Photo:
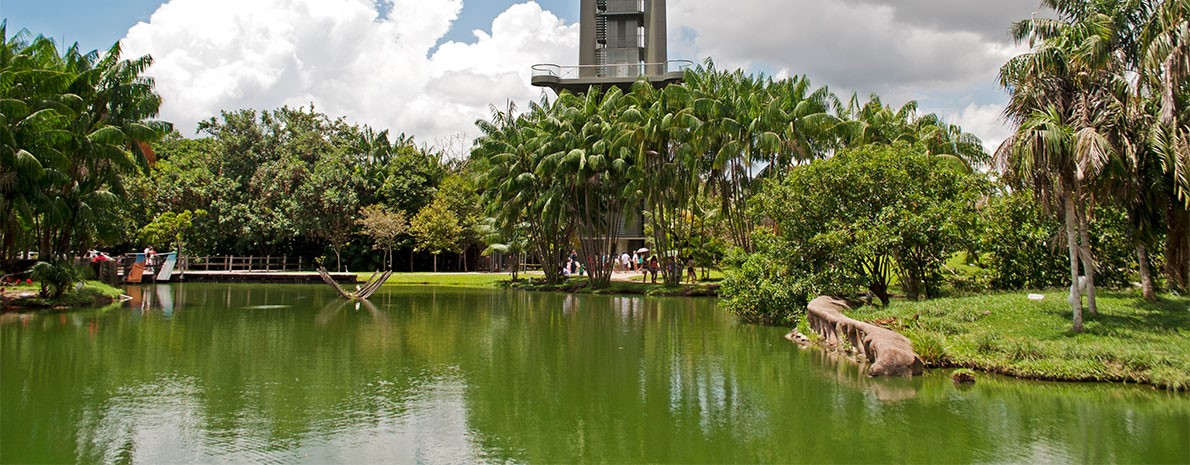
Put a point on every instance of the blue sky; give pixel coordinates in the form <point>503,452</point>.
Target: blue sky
<point>425,73</point>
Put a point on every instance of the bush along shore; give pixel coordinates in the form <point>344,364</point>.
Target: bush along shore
<point>1130,340</point>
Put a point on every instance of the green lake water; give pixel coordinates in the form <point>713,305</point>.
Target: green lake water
<point>205,373</point>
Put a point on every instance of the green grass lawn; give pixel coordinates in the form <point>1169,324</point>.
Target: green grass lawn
<point>1130,340</point>
<point>498,279</point>
<point>447,279</point>
<point>93,293</point>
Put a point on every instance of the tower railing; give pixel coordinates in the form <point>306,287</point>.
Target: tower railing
<point>609,70</point>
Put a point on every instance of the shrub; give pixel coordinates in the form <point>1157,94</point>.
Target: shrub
<point>1112,246</point>
<point>55,278</point>
<point>757,292</point>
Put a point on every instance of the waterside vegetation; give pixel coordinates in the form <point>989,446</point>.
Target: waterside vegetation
<point>791,190</point>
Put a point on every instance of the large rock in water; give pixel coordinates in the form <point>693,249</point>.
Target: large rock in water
<point>890,353</point>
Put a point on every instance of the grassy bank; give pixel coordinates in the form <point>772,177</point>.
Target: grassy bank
<point>580,285</point>
<point>443,279</point>
<point>1130,340</point>
<point>93,294</point>
<point>583,286</point>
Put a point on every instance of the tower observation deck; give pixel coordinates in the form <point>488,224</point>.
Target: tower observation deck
<point>620,42</point>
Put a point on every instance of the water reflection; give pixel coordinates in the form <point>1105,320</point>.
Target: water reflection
<point>287,374</point>
<point>850,371</point>
<point>334,309</point>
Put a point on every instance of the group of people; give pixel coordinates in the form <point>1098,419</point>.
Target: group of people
<point>95,256</point>
<point>637,261</point>
<point>573,266</point>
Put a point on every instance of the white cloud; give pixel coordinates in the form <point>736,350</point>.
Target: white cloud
<point>985,121</point>
<point>214,55</point>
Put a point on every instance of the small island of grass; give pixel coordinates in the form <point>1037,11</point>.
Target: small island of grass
<point>28,297</point>
<point>1130,340</point>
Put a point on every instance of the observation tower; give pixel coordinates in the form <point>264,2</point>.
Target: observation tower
<point>620,42</point>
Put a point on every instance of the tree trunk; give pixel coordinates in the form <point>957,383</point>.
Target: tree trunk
<point>338,261</point>
<point>1146,278</point>
<point>877,279</point>
<point>1076,300</point>
<point>435,263</point>
<point>1177,246</point>
<point>410,260</point>
<point>1088,260</point>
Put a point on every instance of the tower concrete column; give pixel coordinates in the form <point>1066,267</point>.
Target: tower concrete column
<point>586,47</point>
<point>656,41</point>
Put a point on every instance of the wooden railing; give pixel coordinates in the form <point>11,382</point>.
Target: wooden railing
<point>250,263</point>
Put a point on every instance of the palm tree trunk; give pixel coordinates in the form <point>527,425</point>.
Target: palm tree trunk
<point>1146,277</point>
<point>1088,260</point>
<point>1076,300</point>
<point>1177,246</point>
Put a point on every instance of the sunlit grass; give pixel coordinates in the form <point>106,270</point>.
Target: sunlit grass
<point>449,279</point>
<point>1130,340</point>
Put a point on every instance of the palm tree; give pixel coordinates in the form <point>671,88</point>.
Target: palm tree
<point>522,203</point>
<point>32,91</point>
<point>590,172</point>
<point>1058,94</point>
<point>658,128</point>
<point>107,134</point>
<point>1164,63</point>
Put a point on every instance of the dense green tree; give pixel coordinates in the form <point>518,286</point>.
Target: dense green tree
<point>436,229</point>
<point>329,202</point>
<point>1057,150</point>
<point>171,230</point>
<point>590,170</point>
<point>1023,243</point>
<point>867,214</point>
<point>659,130</point>
<point>461,196</point>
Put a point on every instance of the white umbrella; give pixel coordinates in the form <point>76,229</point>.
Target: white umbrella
<point>642,250</point>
